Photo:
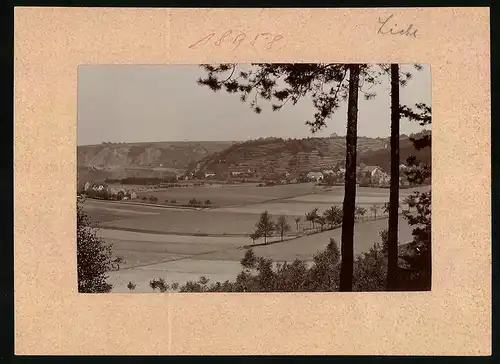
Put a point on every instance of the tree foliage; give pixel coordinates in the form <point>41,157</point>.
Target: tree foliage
<point>160,284</point>
<point>265,226</point>
<point>264,275</point>
<point>333,215</point>
<point>360,211</point>
<point>282,226</point>
<point>323,275</point>
<point>94,257</point>
<point>418,258</point>
<point>312,216</point>
<point>374,209</point>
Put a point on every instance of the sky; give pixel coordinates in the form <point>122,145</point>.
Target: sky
<point>152,103</point>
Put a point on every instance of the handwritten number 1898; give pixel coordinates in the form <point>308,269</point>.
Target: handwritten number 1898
<point>269,38</point>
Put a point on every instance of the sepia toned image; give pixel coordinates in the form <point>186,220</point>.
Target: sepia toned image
<point>254,178</point>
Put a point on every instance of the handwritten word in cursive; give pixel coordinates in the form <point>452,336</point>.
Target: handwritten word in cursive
<point>235,39</point>
<point>389,27</point>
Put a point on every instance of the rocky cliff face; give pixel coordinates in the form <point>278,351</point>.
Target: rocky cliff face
<point>121,160</point>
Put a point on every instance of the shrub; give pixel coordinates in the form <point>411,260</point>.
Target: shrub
<point>159,283</point>
<point>264,275</point>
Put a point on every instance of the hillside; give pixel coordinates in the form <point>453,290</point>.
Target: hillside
<point>382,157</point>
<point>270,156</point>
<point>263,157</point>
<point>156,159</point>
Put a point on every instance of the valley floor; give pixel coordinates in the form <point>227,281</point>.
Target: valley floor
<point>180,245</point>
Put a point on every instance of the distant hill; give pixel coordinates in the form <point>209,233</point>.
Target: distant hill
<point>155,159</point>
<point>263,156</point>
<point>382,157</point>
<point>268,156</point>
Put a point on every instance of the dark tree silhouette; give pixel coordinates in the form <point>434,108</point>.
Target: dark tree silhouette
<point>94,257</point>
<point>160,284</point>
<point>392,257</point>
<point>418,256</point>
<point>327,85</point>
<point>131,286</point>
<point>347,238</point>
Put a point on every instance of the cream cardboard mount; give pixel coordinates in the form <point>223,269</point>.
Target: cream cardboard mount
<point>52,318</point>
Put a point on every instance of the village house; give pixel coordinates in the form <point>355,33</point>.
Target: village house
<point>375,174</point>
<point>99,187</point>
<point>315,176</point>
<point>327,172</point>
<point>209,174</point>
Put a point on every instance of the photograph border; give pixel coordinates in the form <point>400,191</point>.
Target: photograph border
<point>44,93</point>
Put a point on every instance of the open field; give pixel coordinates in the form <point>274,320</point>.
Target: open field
<point>184,244</point>
<point>209,222</point>
<point>179,259</point>
<point>231,220</point>
<point>224,195</point>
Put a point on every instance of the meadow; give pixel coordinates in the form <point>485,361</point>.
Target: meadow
<point>182,244</point>
<point>236,219</point>
<point>229,195</point>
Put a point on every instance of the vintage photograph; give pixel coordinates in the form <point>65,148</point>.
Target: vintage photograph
<point>258,177</point>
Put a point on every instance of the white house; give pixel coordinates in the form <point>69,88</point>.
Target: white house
<point>315,176</point>
<point>376,174</point>
<point>99,187</point>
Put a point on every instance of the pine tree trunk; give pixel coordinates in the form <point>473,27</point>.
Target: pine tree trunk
<point>347,249</point>
<point>392,265</point>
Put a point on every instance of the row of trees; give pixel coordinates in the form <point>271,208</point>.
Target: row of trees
<point>105,194</point>
<point>265,227</point>
<point>192,202</point>
<point>195,202</point>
